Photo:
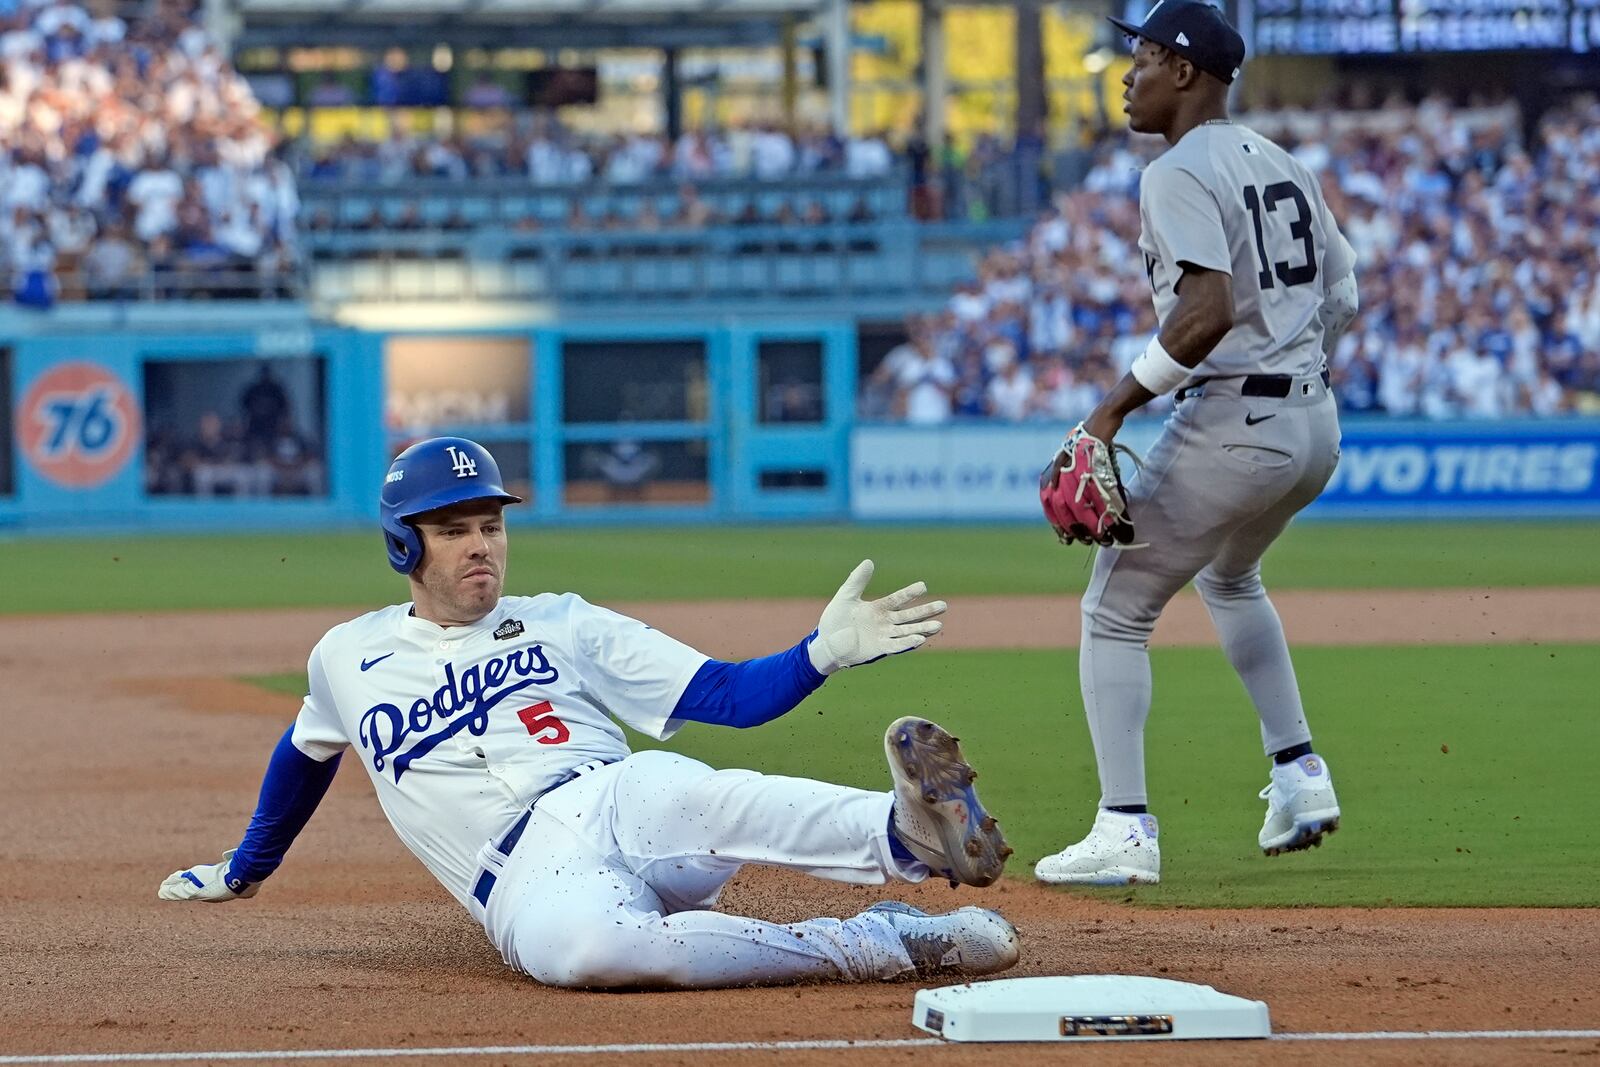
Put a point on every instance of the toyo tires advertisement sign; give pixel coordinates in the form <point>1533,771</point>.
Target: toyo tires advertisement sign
<point>1509,468</point>
<point>1389,468</point>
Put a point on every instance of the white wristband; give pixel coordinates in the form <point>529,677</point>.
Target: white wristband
<point>1157,371</point>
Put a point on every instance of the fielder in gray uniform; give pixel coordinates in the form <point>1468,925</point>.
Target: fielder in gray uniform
<point>1253,285</point>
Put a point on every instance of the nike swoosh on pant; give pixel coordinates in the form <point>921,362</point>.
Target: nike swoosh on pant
<point>1251,420</point>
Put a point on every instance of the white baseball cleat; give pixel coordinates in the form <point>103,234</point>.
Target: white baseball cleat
<point>1121,849</point>
<point>937,815</point>
<point>965,941</point>
<point>1301,807</point>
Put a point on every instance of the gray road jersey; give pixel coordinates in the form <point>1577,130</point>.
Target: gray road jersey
<point>1226,198</point>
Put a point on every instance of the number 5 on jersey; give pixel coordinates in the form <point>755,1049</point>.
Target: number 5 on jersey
<point>542,724</point>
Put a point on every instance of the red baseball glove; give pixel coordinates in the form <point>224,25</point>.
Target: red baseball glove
<point>1082,493</point>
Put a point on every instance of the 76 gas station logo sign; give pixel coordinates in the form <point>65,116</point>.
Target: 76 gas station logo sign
<point>78,424</point>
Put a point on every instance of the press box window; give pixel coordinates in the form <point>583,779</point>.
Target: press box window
<point>634,381</point>
<point>789,382</point>
<point>235,427</point>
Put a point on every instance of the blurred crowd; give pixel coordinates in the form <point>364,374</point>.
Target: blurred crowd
<point>1479,273</point>
<point>131,159</point>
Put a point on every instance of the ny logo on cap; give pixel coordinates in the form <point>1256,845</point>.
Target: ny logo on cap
<point>464,465</point>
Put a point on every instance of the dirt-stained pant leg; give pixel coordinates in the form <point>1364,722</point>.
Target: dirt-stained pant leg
<point>1210,476</point>
<point>608,886</point>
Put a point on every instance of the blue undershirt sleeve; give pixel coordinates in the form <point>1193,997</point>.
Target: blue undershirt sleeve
<point>291,790</point>
<point>751,692</point>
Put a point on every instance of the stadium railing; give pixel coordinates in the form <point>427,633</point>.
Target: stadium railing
<point>500,201</point>
<point>828,260</point>
<point>73,287</point>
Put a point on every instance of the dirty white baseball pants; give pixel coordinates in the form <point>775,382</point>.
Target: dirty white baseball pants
<point>1214,494</point>
<point>610,883</point>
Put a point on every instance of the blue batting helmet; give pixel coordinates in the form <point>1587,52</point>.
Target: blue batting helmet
<point>433,474</point>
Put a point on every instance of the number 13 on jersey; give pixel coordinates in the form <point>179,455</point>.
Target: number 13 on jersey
<point>1264,202</point>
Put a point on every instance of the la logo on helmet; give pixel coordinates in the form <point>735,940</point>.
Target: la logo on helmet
<point>464,465</point>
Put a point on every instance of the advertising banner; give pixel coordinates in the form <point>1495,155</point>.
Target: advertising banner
<point>77,424</point>
<point>1418,469</point>
<point>1389,468</point>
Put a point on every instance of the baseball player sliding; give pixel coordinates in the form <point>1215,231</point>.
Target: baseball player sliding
<point>1253,285</point>
<point>486,725</point>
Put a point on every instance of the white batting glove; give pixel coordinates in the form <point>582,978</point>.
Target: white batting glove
<point>208,883</point>
<point>853,631</point>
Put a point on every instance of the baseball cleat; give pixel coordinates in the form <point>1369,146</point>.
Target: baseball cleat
<point>937,815</point>
<point>1121,849</point>
<point>1301,807</point>
<point>966,941</point>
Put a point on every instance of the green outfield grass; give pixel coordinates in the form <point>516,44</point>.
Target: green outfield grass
<point>1507,816</point>
<point>157,573</point>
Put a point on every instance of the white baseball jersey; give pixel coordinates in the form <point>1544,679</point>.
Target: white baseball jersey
<point>461,727</point>
<point>1225,198</point>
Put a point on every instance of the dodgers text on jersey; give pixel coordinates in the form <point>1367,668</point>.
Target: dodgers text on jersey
<point>463,702</point>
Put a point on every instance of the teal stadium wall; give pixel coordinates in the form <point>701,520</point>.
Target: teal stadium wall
<point>80,405</point>
<point>84,405</point>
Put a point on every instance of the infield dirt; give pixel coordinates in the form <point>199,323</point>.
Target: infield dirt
<point>129,749</point>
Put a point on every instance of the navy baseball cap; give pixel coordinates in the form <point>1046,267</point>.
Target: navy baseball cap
<point>1196,31</point>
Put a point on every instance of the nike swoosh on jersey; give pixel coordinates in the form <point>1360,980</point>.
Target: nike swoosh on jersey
<point>1249,420</point>
<point>368,664</point>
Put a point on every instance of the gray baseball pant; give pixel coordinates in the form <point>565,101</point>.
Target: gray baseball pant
<point>1214,494</point>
